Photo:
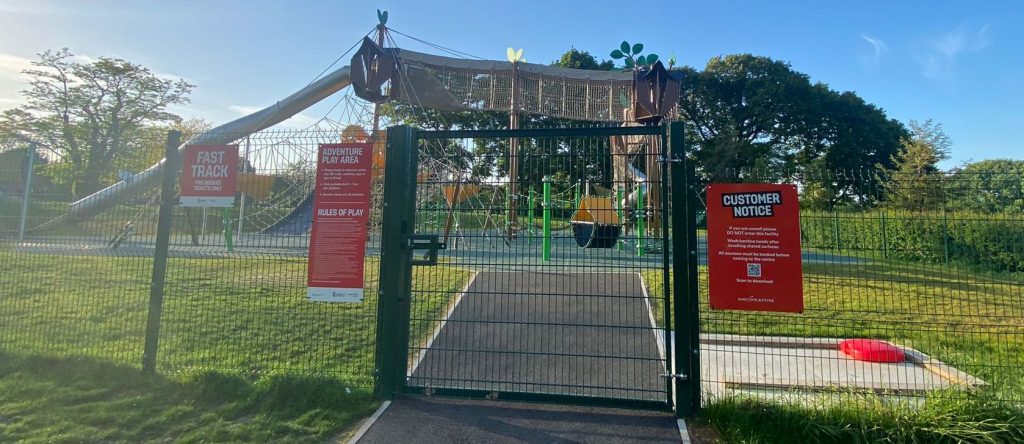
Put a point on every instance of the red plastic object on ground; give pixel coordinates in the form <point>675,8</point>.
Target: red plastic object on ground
<point>871,350</point>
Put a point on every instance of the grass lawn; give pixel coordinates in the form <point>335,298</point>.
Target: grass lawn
<point>973,321</point>
<point>243,355</point>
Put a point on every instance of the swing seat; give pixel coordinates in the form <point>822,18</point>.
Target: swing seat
<point>596,223</point>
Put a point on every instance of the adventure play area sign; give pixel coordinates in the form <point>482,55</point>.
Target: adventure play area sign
<point>341,212</point>
<point>208,176</point>
<point>754,260</point>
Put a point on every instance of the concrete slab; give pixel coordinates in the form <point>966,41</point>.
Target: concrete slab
<point>737,363</point>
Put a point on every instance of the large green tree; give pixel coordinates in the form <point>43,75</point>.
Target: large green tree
<point>92,117</point>
<point>754,113</point>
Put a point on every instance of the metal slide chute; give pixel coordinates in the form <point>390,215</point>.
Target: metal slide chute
<point>228,132</point>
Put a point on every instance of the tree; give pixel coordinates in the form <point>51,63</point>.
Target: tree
<point>576,59</point>
<point>988,186</point>
<point>915,182</point>
<point>750,112</point>
<point>154,140</point>
<point>92,117</point>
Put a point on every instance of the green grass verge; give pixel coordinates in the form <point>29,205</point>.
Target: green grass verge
<point>55,400</point>
<point>860,419</point>
<point>247,318</point>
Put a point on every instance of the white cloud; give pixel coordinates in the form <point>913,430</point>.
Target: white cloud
<point>879,51</point>
<point>243,110</point>
<point>941,56</point>
<point>11,66</point>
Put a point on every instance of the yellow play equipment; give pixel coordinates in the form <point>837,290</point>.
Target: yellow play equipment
<point>596,224</point>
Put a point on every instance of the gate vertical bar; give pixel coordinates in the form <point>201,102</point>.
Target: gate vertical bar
<point>685,274</point>
<point>666,251</point>
<point>163,239</point>
<point>395,279</point>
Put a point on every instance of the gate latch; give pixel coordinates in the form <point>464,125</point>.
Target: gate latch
<point>679,376</point>
<point>676,158</point>
<point>427,242</point>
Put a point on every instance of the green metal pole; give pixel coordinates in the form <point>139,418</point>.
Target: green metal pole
<point>395,280</point>
<point>547,220</point>
<point>640,221</point>
<point>228,238</point>
<point>163,240</point>
<point>945,236</point>
<point>885,242</point>
<point>685,304</point>
<point>529,216</point>
<point>576,195</point>
<point>835,223</point>
<point>618,209</point>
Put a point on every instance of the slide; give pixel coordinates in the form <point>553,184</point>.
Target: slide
<point>237,129</point>
<point>298,222</point>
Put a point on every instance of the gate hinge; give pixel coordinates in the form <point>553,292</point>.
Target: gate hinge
<point>679,376</point>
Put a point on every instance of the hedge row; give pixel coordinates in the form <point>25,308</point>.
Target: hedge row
<point>990,241</point>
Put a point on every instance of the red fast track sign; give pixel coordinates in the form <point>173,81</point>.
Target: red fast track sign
<point>208,176</point>
<point>341,213</point>
<point>754,260</point>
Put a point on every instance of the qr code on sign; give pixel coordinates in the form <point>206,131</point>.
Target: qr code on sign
<point>754,270</point>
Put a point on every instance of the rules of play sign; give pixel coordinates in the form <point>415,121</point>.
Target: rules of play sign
<point>754,260</point>
<point>208,176</point>
<point>341,212</point>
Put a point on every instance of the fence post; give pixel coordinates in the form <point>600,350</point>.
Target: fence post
<point>163,238</point>
<point>945,235</point>
<point>885,241</point>
<point>835,224</point>
<point>685,304</point>
<point>395,279</point>
<point>26,193</point>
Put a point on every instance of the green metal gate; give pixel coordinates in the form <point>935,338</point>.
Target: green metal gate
<point>556,262</point>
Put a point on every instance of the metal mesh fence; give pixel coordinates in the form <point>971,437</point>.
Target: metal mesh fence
<point>928,263</point>
<point>932,264</point>
<point>235,292</point>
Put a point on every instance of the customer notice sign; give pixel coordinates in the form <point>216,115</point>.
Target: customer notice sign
<point>753,237</point>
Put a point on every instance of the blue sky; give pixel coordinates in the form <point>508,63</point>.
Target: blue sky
<point>958,62</point>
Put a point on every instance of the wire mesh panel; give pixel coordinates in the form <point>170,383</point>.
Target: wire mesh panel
<point>929,265</point>
<point>235,292</point>
<point>236,295</point>
<point>555,266</point>
<point>70,288</point>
